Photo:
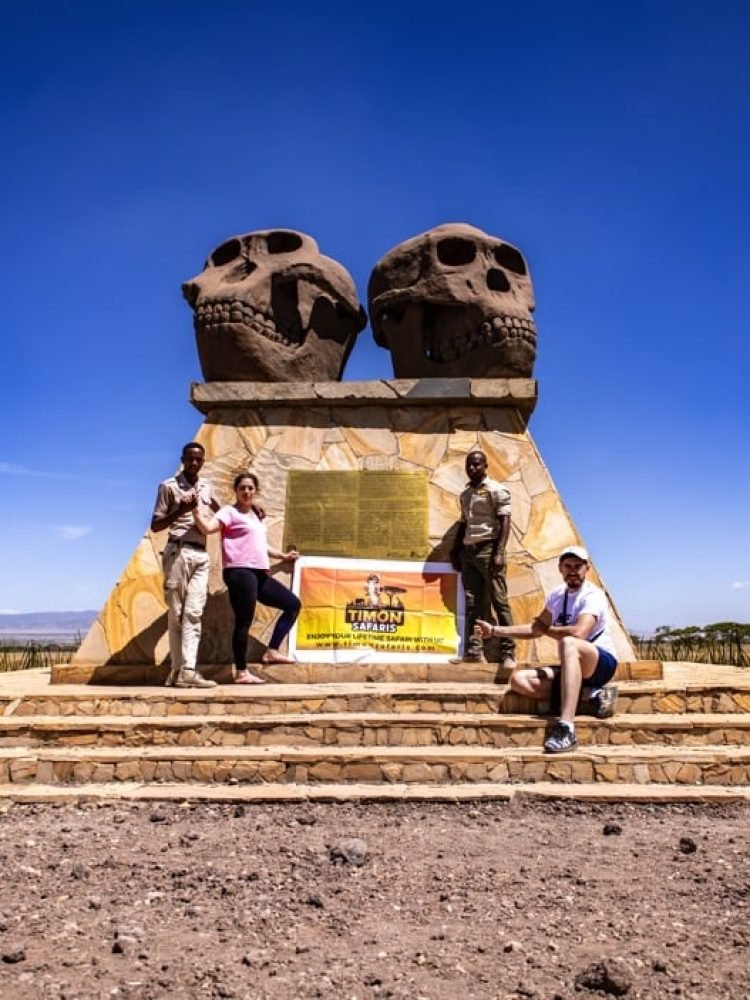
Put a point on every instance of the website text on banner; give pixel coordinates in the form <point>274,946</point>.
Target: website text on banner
<point>379,610</point>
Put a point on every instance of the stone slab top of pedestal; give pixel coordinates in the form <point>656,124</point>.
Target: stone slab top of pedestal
<point>519,393</point>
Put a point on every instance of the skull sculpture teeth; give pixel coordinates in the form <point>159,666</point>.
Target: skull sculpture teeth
<point>454,302</point>
<point>269,307</point>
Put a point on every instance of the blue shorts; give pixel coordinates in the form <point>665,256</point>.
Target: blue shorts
<point>604,672</point>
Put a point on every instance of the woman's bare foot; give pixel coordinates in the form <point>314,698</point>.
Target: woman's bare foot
<point>245,677</point>
<point>274,656</point>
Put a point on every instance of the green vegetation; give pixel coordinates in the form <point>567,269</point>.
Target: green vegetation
<point>27,656</point>
<point>722,642</point>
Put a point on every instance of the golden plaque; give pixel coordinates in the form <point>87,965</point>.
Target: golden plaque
<point>381,515</point>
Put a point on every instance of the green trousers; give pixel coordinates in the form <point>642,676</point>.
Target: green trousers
<point>485,593</point>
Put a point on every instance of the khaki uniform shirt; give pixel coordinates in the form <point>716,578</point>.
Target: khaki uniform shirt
<point>171,491</point>
<point>481,508</point>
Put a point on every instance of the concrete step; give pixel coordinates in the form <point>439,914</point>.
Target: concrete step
<point>367,729</point>
<point>715,765</point>
<point>354,672</point>
<point>109,793</point>
<point>636,697</point>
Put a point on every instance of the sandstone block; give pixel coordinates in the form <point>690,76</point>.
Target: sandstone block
<point>347,738</point>
<point>418,773</point>
<point>189,738</point>
<point>688,774</point>
<point>582,771</point>
<point>499,773</point>
<point>245,770</point>
<point>605,772</point>
<point>642,705</point>
<point>128,770</point>
<point>232,739</point>
<point>203,770</point>
<point>391,772</point>
<point>83,771</point>
<point>271,770</point>
<point>476,772</point>
<point>670,704</point>
<point>326,771</point>
<point>560,770</point>
<point>363,772</point>
<point>63,770</point>
<point>45,772</point>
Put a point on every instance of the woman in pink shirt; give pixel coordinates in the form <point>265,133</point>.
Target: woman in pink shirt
<point>244,555</point>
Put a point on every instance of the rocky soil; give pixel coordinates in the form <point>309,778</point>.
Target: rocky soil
<point>372,901</point>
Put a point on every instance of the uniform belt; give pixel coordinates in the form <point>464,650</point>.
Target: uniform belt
<point>191,545</point>
<point>475,547</point>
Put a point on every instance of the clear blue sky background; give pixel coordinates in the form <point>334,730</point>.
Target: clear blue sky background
<point>609,140</point>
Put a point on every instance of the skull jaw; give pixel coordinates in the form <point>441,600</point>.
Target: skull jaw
<point>506,353</point>
<point>234,352</point>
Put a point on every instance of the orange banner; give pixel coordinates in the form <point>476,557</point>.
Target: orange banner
<point>382,610</point>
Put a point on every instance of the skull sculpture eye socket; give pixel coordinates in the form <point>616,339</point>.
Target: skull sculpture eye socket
<point>510,258</point>
<point>281,242</point>
<point>456,252</point>
<point>225,253</point>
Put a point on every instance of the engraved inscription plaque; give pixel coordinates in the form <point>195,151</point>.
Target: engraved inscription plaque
<point>366,514</point>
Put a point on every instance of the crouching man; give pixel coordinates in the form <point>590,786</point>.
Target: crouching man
<point>575,614</point>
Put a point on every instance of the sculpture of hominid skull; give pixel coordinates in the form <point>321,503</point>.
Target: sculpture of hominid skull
<point>454,302</point>
<point>269,307</point>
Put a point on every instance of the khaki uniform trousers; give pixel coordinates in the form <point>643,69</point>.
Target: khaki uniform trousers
<point>185,591</point>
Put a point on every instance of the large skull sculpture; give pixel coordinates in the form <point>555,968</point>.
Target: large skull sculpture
<point>454,302</point>
<point>269,307</point>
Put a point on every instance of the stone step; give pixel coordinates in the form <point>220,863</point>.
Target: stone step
<point>356,672</point>
<point>108,793</point>
<point>636,697</point>
<point>367,729</point>
<point>714,765</point>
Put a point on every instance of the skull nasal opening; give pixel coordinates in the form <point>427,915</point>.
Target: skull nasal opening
<point>456,252</point>
<point>496,281</point>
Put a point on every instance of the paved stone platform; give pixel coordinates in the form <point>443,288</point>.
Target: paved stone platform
<point>686,730</point>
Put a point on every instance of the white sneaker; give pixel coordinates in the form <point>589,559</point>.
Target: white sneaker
<point>192,679</point>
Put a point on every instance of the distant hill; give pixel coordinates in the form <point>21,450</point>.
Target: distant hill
<point>50,625</point>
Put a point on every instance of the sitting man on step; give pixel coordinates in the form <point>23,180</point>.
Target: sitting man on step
<point>575,614</point>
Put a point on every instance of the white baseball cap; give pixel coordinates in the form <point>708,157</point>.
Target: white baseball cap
<point>574,550</point>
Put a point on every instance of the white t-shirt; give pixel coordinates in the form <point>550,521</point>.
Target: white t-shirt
<point>589,600</point>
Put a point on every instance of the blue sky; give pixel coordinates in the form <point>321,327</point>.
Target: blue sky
<point>609,141</point>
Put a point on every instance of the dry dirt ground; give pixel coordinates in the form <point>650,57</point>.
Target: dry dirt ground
<point>406,900</point>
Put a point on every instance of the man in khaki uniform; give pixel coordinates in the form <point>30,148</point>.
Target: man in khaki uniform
<point>478,553</point>
<point>185,563</point>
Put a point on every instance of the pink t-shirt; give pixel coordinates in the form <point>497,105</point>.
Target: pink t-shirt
<point>243,539</point>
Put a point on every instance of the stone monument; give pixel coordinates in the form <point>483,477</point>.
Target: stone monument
<point>275,322</point>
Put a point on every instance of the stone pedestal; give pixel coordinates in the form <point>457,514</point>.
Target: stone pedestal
<point>425,425</point>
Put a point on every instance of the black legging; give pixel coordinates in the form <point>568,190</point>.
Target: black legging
<point>248,586</point>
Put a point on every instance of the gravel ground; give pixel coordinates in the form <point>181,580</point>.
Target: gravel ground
<point>410,900</point>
